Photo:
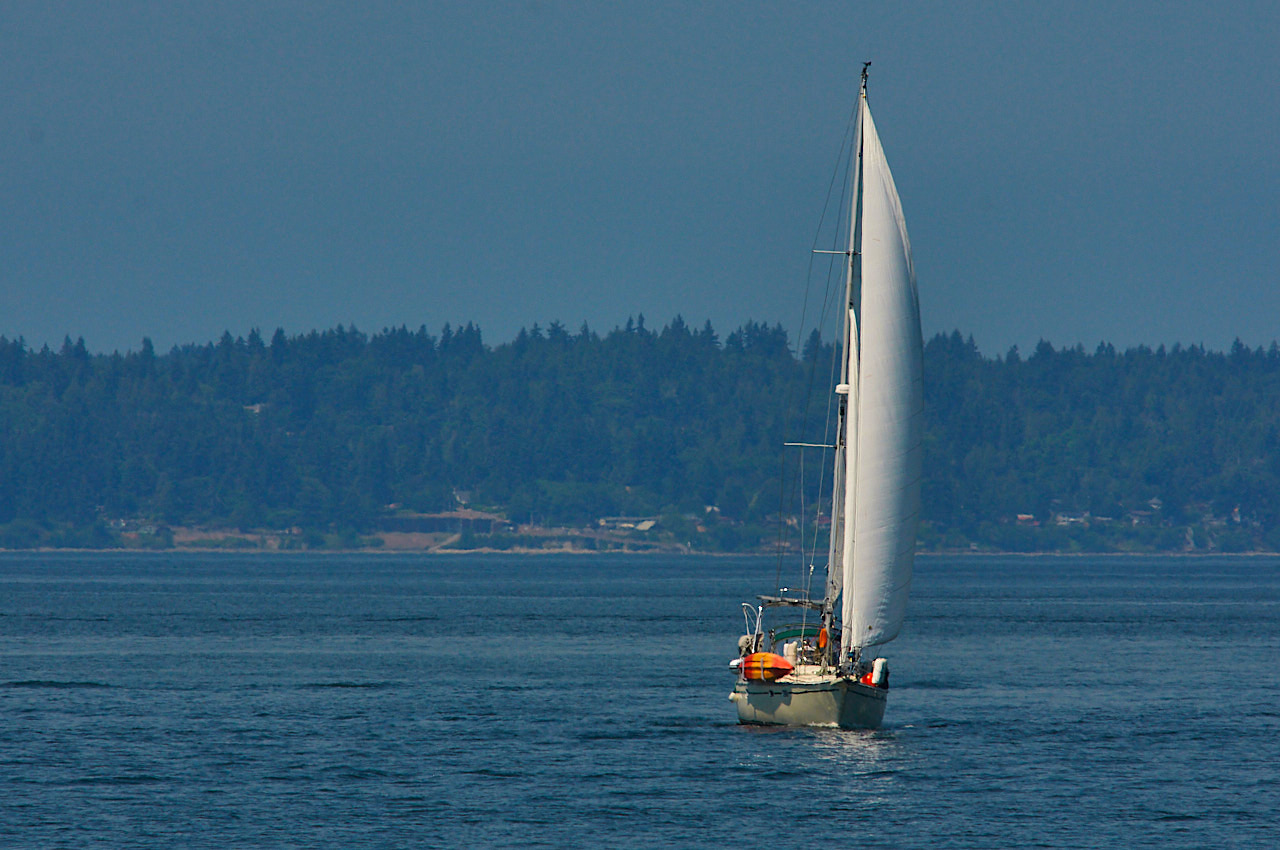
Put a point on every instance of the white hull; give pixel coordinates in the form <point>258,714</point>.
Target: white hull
<point>820,701</point>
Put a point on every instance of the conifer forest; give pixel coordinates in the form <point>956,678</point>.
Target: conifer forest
<point>335,433</point>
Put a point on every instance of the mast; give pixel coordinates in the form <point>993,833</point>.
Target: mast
<point>844,478</point>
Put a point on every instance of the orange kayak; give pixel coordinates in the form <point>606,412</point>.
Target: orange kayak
<point>766,666</point>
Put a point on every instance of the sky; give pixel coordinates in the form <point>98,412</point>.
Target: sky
<point>1078,172</point>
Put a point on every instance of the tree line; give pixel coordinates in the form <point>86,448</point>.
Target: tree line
<point>333,430</point>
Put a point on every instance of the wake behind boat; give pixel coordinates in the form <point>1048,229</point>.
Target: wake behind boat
<point>827,668</point>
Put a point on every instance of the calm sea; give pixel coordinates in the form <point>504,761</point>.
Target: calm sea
<point>396,701</point>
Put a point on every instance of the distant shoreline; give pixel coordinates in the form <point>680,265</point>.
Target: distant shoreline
<point>647,552</point>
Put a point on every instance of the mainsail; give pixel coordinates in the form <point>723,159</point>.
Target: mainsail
<point>884,425</point>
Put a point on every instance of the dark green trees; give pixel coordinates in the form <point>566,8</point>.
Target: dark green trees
<point>326,430</point>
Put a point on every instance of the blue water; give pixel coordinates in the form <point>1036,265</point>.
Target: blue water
<point>398,701</point>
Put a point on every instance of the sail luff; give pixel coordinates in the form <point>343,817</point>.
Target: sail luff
<point>835,549</point>
<point>850,485</point>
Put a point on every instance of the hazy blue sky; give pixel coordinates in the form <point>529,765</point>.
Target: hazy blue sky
<point>1073,171</point>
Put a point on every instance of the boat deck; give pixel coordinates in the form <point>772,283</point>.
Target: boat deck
<point>810,674</point>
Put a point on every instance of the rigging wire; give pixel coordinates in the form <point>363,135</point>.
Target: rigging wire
<point>796,478</point>
<point>833,287</point>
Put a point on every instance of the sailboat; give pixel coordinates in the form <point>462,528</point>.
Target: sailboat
<point>829,668</point>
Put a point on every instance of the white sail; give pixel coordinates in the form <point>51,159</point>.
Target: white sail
<point>886,421</point>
